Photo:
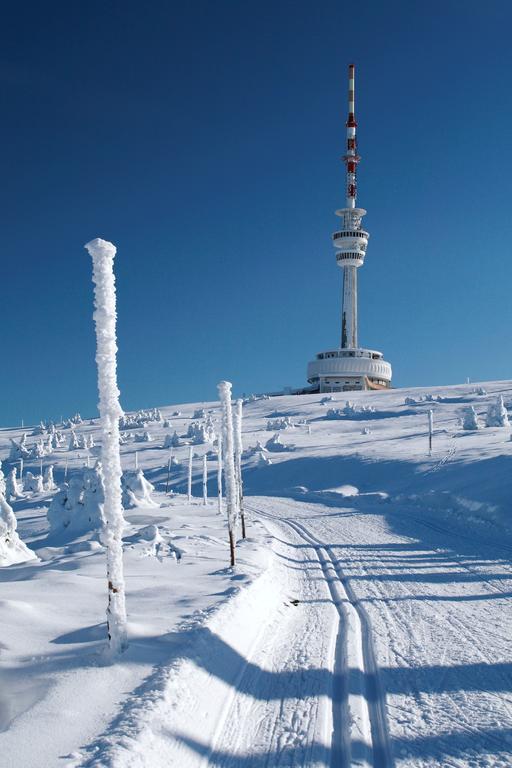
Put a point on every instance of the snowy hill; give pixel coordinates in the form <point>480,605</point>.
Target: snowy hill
<point>367,622</point>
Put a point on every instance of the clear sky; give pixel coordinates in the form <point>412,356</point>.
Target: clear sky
<point>204,139</point>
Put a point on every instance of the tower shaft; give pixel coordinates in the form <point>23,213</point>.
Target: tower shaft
<point>349,311</point>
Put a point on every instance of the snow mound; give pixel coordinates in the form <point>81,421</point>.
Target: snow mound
<point>136,489</point>
<point>12,549</point>
<point>77,508</point>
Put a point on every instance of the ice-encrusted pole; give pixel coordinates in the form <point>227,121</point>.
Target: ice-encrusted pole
<point>102,253</point>
<point>219,471</point>
<point>229,463</point>
<point>205,480</point>
<point>430,430</point>
<point>189,484</point>
<point>238,462</point>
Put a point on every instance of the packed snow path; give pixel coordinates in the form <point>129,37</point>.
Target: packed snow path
<point>360,646</point>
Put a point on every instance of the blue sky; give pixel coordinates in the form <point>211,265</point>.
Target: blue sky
<point>204,139</point>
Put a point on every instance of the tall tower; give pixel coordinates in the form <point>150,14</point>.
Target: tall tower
<point>350,367</point>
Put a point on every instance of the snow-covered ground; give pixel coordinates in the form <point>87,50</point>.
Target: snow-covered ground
<point>366,623</point>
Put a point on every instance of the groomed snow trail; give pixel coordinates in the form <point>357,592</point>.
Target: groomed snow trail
<point>374,639</point>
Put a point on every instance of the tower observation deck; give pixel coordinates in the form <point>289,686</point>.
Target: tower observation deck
<point>350,366</point>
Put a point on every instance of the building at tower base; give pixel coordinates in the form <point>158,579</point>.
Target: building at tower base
<point>350,367</point>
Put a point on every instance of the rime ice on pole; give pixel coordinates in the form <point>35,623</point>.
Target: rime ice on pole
<point>238,461</point>
<point>228,446</point>
<point>102,253</point>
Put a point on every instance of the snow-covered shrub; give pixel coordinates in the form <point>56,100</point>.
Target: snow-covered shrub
<point>74,442</point>
<point>201,433</point>
<point>136,489</point>
<point>497,415</point>
<point>77,508</point>
<point>253,450</point>
<point>327,399</point>
<point>145,437</point>
<point>176,413</point>
<point>13,489</point>
<point>264,461</point>
<point>410,401</point>
<point>172,441</point>
<point>470,419</point>
<point>12,549</point>
<point>19,450</point>
<point>33,483</point>
<point>2,481</point>
<point>334,414</point>
<point>49,482</point>
<point>283,423</point>
<point>366,431</point>
<point>480,391</point>
<point>38,450</point>
<point>167,424</point>
<point>199,413</point>
<point>276,445</point>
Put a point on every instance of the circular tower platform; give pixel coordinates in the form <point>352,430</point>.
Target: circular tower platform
<point>345,370</point>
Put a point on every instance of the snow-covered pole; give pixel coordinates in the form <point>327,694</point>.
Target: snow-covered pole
<point>219,471</point>
<point>21,470</point>
<point>430,430</point>
<point>102,253</point>
<point>189,487</point>
<point>205,480</point>
<point>168,471</point>
<point>229,463</point>
<point>238,462</point>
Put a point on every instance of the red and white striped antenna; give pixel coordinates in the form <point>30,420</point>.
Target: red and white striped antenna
<point>351,159</point>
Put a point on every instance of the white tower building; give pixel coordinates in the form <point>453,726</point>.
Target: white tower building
<point>350,366</point>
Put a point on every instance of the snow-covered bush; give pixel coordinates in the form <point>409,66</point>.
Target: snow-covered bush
<point>49,482</point>
<point>410,401</point>
<point>19,450</point>
<point>77,508</point>
<point>497,415</point>
<point>172,441</point>
<point>2,481</point>
<point>33,483</point>
<point>334,414</point>
<point>327,399</point>
<point>470,419</point>
<point>12,489</point>
<point>74,442</point>
<point>253,450</point>
<point>201,433</point>
<point>38,450</point>
<point>366,431</point>
<point>145,437</point>
<point>350,410</point>
<point>199,413</point>
<point>12,549</point>
<point>480,391</point>
<point>276,445</point>
<point>283,423</point>
<point>136,489</point>
<point>167,424</point>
